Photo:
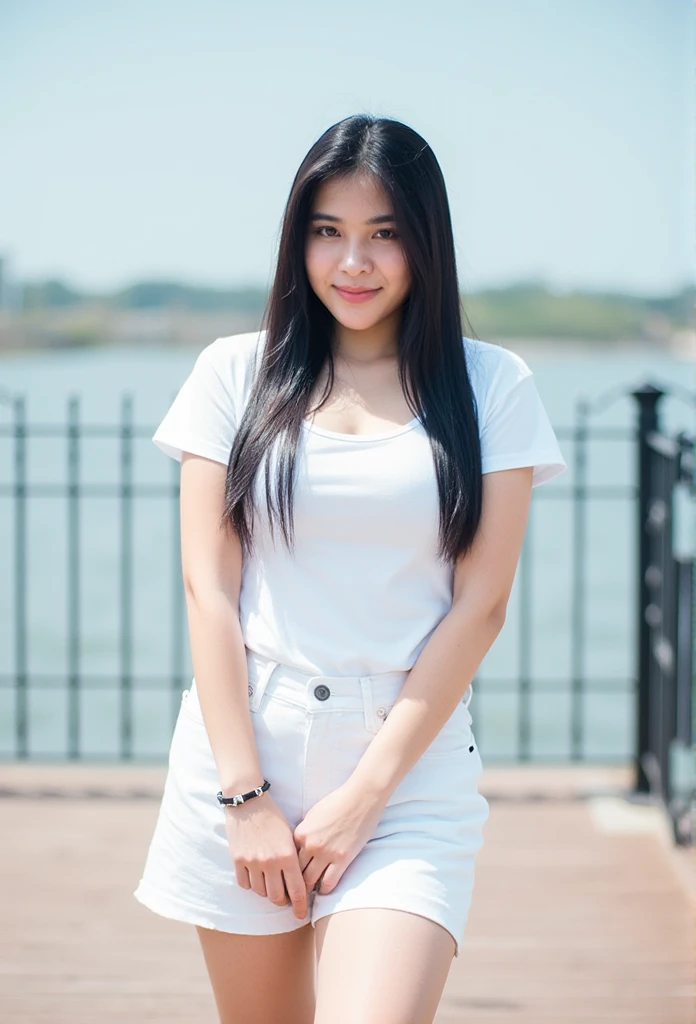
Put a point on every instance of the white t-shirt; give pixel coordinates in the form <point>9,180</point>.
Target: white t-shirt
<point>364,589</point>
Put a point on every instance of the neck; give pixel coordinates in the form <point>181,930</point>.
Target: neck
<point>369,345</point>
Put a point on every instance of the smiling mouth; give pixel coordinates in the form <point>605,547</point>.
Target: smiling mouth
<point>353,291</point>
<point>356,294</point>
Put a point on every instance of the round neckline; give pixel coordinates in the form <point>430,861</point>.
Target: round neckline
<point>314,429</point>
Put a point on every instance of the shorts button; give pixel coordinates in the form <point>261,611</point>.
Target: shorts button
<point>382,712</point>
<point>322,692</point>
<point>250,689</point>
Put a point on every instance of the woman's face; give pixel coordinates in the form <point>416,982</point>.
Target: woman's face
<point>352,244</point>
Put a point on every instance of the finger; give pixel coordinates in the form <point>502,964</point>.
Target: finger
<point>312,873</point>
<point>329,879</point>
<point>242,876</point>
<point>258,881</point>
<point>297,892</point>
<point>275,888</point>
<point>303,858</point>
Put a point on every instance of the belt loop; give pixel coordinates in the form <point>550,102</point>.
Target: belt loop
<point>261,683</point>
<point>466,700</point>
<point>368,703</point>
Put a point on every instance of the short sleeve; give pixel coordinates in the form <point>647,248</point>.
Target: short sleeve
<point>516,430</point>
<point>202,418</point>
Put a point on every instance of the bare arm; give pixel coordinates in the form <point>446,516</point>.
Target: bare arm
<point>261,842</point>
<point>448,662</point>
<point>212,570</point>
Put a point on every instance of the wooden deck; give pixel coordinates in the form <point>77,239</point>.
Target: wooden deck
<point>583,911</point>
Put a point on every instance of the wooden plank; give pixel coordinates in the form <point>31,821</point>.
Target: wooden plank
<point>574,919</point>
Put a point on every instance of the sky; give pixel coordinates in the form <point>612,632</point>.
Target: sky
<point>157,139</point>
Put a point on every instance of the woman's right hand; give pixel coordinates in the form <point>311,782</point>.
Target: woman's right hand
<point>264,854</point>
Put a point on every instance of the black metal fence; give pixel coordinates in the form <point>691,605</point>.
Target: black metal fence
<point>658,688</point>
<point>665,734</point>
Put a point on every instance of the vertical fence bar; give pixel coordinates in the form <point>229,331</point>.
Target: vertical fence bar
<point>20,579</point>
<point>126,580</point>
<point>659,526</point>
<point>647,398</point>
<point>680,796</point>
<point>525,648</point>
<point>685,661</point>
<point>579,565</point>
<point>73,576</point>
<point>669,625</point>
<point>685,554</point>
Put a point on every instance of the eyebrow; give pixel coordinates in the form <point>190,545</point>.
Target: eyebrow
<point>382,218</point>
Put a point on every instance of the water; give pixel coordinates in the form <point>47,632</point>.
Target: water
<point>543,622</point>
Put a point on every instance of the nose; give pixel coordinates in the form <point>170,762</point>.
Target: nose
<point>354,258</point>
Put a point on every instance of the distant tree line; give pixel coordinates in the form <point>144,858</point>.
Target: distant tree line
<point>534,310</point>
<point>524,309</point>
<point>144,295</point>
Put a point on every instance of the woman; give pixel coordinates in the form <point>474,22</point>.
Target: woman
<point>355,484</point>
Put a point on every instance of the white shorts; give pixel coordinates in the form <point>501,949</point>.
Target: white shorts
<point>311,731</point>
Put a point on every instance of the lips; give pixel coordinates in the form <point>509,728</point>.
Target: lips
<point>354,291</point>
<point>356,294</point>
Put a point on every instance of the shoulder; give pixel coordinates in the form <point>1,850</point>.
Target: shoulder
<point>493,369</point>
<point>488,361</point>
<point>234,354</point>
<point>232,360</point>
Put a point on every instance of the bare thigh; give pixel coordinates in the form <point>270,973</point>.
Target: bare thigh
<point>380,966</point>
<point>261,979</point>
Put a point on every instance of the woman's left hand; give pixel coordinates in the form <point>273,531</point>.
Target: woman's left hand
<point>333,833</point>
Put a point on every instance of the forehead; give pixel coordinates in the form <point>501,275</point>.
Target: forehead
<point>351,195</point>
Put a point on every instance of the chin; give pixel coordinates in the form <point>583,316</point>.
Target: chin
<point>357,323</point>
<point>357,317</point>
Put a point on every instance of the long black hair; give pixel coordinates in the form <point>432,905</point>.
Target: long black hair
<point>299,328</point>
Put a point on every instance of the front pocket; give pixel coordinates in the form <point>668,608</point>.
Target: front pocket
<point>190,708</point>
<point>252,698</point>
<point>380,713</point>
<point>455,738</point>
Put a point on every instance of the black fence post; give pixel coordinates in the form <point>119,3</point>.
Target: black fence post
<point>685,606</point>
<point>647,396</point>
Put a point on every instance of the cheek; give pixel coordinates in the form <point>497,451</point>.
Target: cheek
<point>398,272</point>
<point>317,263</point>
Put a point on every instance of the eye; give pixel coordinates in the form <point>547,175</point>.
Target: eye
<point>387,234</point>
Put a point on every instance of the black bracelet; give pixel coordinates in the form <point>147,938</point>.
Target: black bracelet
<point>241,798</point>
